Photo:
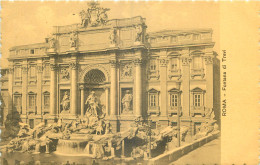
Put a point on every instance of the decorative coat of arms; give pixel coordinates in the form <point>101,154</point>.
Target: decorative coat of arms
<point>94,15</point>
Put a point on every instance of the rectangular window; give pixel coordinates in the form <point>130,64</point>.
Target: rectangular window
<point>18,72</point>
<point>32,51</point>
<point>197,62</point>
<point>33,71</point>
<point>174,63</point>
<point>18,103</point>
<point>197,100</point>
<point>153,65</point>
<point>46,101</point>
<point>31,101</point>
<point>174,100</point>
<point>152,100</point>
<point>47,71</point>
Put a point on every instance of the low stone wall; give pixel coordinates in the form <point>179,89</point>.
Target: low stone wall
<point>175,154</point>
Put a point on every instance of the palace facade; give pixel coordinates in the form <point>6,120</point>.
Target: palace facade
<point>132,74</point>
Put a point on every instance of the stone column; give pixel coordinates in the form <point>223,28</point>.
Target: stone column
<point>82,100</point>
<point>73,97</point>
<point>138,87</point>
<point>53,90</point>
<point>113,91</point>
<point>163,84</point>
<point>209,80</point>
<point>186,83</point>
<point>107,100</point>
<point>10,88</point>
<point>24,87</point>
<point>39,87</point>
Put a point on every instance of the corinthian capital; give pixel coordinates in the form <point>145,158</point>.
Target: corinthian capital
<point>53,67</point>
<point>113,63</point>
<point>138,61</point>
<point>74,65</point>
<point>24,68</point>
<point>208,59</point>
<point>163,62</point>
<point>186,60</point>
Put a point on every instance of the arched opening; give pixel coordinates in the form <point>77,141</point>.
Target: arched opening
<point>95,76</point>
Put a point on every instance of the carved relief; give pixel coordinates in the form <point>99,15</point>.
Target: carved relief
<point>127,71</point>
<point>113,37</point>
<point>94,15</point>
<point>73,39</point>
<point>65,74</point>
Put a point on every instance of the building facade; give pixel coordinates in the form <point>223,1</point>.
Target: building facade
<point>132,74</point>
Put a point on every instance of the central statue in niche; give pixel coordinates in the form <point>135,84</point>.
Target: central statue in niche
<point>93,107</point>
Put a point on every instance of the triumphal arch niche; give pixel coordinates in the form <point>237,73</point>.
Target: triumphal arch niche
<point>114,69</point>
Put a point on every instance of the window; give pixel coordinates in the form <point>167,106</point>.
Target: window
<point>174,100</point>
<point>153,65</point>
<point>174,63</point>
<point>197,62</point>
<point>153,98</point>
<point>198,97</point>
<point>197,100</point>
<point>32,71</point>
<point>31,101</point>
<point>47,71</point>
<point>18,102</point>
<point>17,72</point>
<point>46,100</point>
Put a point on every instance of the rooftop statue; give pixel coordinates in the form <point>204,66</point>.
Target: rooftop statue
<point>94,15</point>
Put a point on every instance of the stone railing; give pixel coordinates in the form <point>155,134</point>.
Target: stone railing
<point>197,72</point>
<point>174,111</point>
<point>154,110</point>
<point>175,73</point>
<point>153,74</point>
<point>197,110</point>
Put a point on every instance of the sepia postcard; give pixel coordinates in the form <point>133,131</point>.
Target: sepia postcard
<point>129,82</point>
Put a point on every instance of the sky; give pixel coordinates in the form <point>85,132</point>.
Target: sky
<point>30,22</point>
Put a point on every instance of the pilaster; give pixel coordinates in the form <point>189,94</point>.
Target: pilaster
<point>39,86</point>
<point>53,86</point>
<point>138,86</point>
<point>10,87</point>
<point>24,86</point>
<point>186,82</point>
<point>209,79</point>
<point>82,100</point>
<point>163,83</point>
<point>113,92</point>
<point>74,79</point>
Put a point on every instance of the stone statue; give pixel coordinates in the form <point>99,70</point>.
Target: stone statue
<point>112,37</point>
<point>92,103</point>
<point>139,32</point>
<point>85,17</point>
<point>103,18</point>
<point>127,100</point>
<point>73,39</point>
<point>65,103</point>
<point>52,42</point>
